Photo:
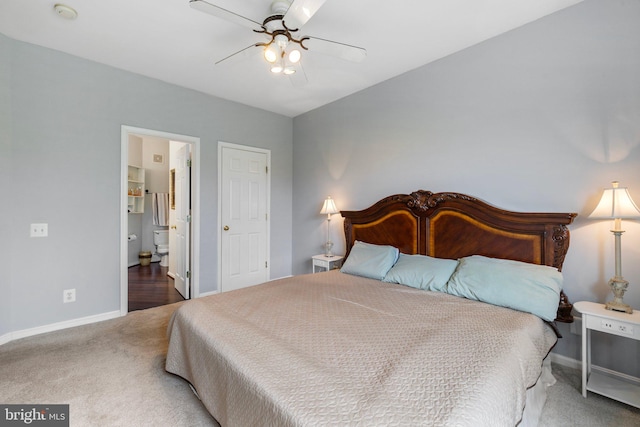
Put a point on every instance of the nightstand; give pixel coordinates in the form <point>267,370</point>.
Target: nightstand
<point>595,317</point>
<point>326,262</point>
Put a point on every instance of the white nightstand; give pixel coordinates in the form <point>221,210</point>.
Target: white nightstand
<point>596,317</point>
<point>326,262</point>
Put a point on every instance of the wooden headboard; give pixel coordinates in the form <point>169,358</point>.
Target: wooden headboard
<point>454,225</point>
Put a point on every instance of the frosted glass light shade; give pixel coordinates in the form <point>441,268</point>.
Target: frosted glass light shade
<point>294,56</point>
<point>616,203</point>
<point>270,55</point>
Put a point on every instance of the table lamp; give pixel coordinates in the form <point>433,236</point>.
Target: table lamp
<point>328,208</point>
<point>616,204</point>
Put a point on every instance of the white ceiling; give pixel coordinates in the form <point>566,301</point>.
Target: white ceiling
<point>170,41</point>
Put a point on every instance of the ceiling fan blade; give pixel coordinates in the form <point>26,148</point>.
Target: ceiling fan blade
<point>300,12</point>
<point>243,53</point>
<point>214,10</point>
<point>341,50</point>
<point>299,78</point>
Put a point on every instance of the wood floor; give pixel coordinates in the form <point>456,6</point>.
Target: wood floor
<point>149,286</point>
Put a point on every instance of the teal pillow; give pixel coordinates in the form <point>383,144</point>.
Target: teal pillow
<point>368,260</point>
<point>422,272</point>
<point>518,285</point>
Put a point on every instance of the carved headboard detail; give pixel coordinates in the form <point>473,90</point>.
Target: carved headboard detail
<point>454,225</point>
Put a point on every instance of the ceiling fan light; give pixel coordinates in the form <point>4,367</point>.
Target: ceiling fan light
<point>288,71</point>
<point>277,68</point>
<point>270,55</point>
<point>294,56</point>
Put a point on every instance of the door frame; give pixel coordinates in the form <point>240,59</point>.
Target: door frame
<point>221,145</point>
<point>195,207</point>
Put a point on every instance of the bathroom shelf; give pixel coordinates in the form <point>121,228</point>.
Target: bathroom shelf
<point>135,190</point>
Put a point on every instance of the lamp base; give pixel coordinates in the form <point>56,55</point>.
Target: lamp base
<point>327,249</point>
<point>618,287</point>
<point>618,306</point>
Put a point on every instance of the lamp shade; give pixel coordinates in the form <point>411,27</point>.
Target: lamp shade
<point>329,207</point>
<point>616,203</point>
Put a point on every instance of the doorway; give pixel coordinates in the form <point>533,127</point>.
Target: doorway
<point>191,262</point>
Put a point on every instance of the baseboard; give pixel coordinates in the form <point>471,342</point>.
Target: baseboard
<point>577,364</point>
<point>278,278</point>
<point>206,294</point>
<point>615,374</point>
<point>566,361</point>
<point>11,336</point>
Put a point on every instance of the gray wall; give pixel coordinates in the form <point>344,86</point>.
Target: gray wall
<point>64,150</point>
<point>6,183</point>
<point>538,119</point>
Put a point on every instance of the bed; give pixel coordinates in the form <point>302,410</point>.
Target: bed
<point>340,348</point>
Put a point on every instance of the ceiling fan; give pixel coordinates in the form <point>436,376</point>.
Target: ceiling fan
<point>282,47</point>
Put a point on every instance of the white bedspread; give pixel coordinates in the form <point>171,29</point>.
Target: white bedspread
<point>334,349</point>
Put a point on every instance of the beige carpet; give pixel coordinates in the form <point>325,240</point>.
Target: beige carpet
<point>112,374</point>
<point>566,407</point>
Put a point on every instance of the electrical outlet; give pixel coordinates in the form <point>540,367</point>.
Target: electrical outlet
<point>69,295</point>
<point>39,230</point>
<point>607,324</point>
<point>625,329</point>
<point>612,325</point>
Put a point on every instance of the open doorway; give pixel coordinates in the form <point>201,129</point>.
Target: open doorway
<point>148,213</point>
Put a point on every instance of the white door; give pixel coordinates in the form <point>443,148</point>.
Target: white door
<point>183,220</point>
<point>243,217</point>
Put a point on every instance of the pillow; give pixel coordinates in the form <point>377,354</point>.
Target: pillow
<point>518,285</point>
<point>372,261</point>
<point>422,272</point>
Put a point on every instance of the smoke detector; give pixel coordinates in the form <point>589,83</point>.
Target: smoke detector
<point>65,11</point>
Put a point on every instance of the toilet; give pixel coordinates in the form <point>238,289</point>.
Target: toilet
<point>161,240</point>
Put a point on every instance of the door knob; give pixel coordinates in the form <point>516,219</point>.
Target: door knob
<point>173,226</point>
<point>226,228</point>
